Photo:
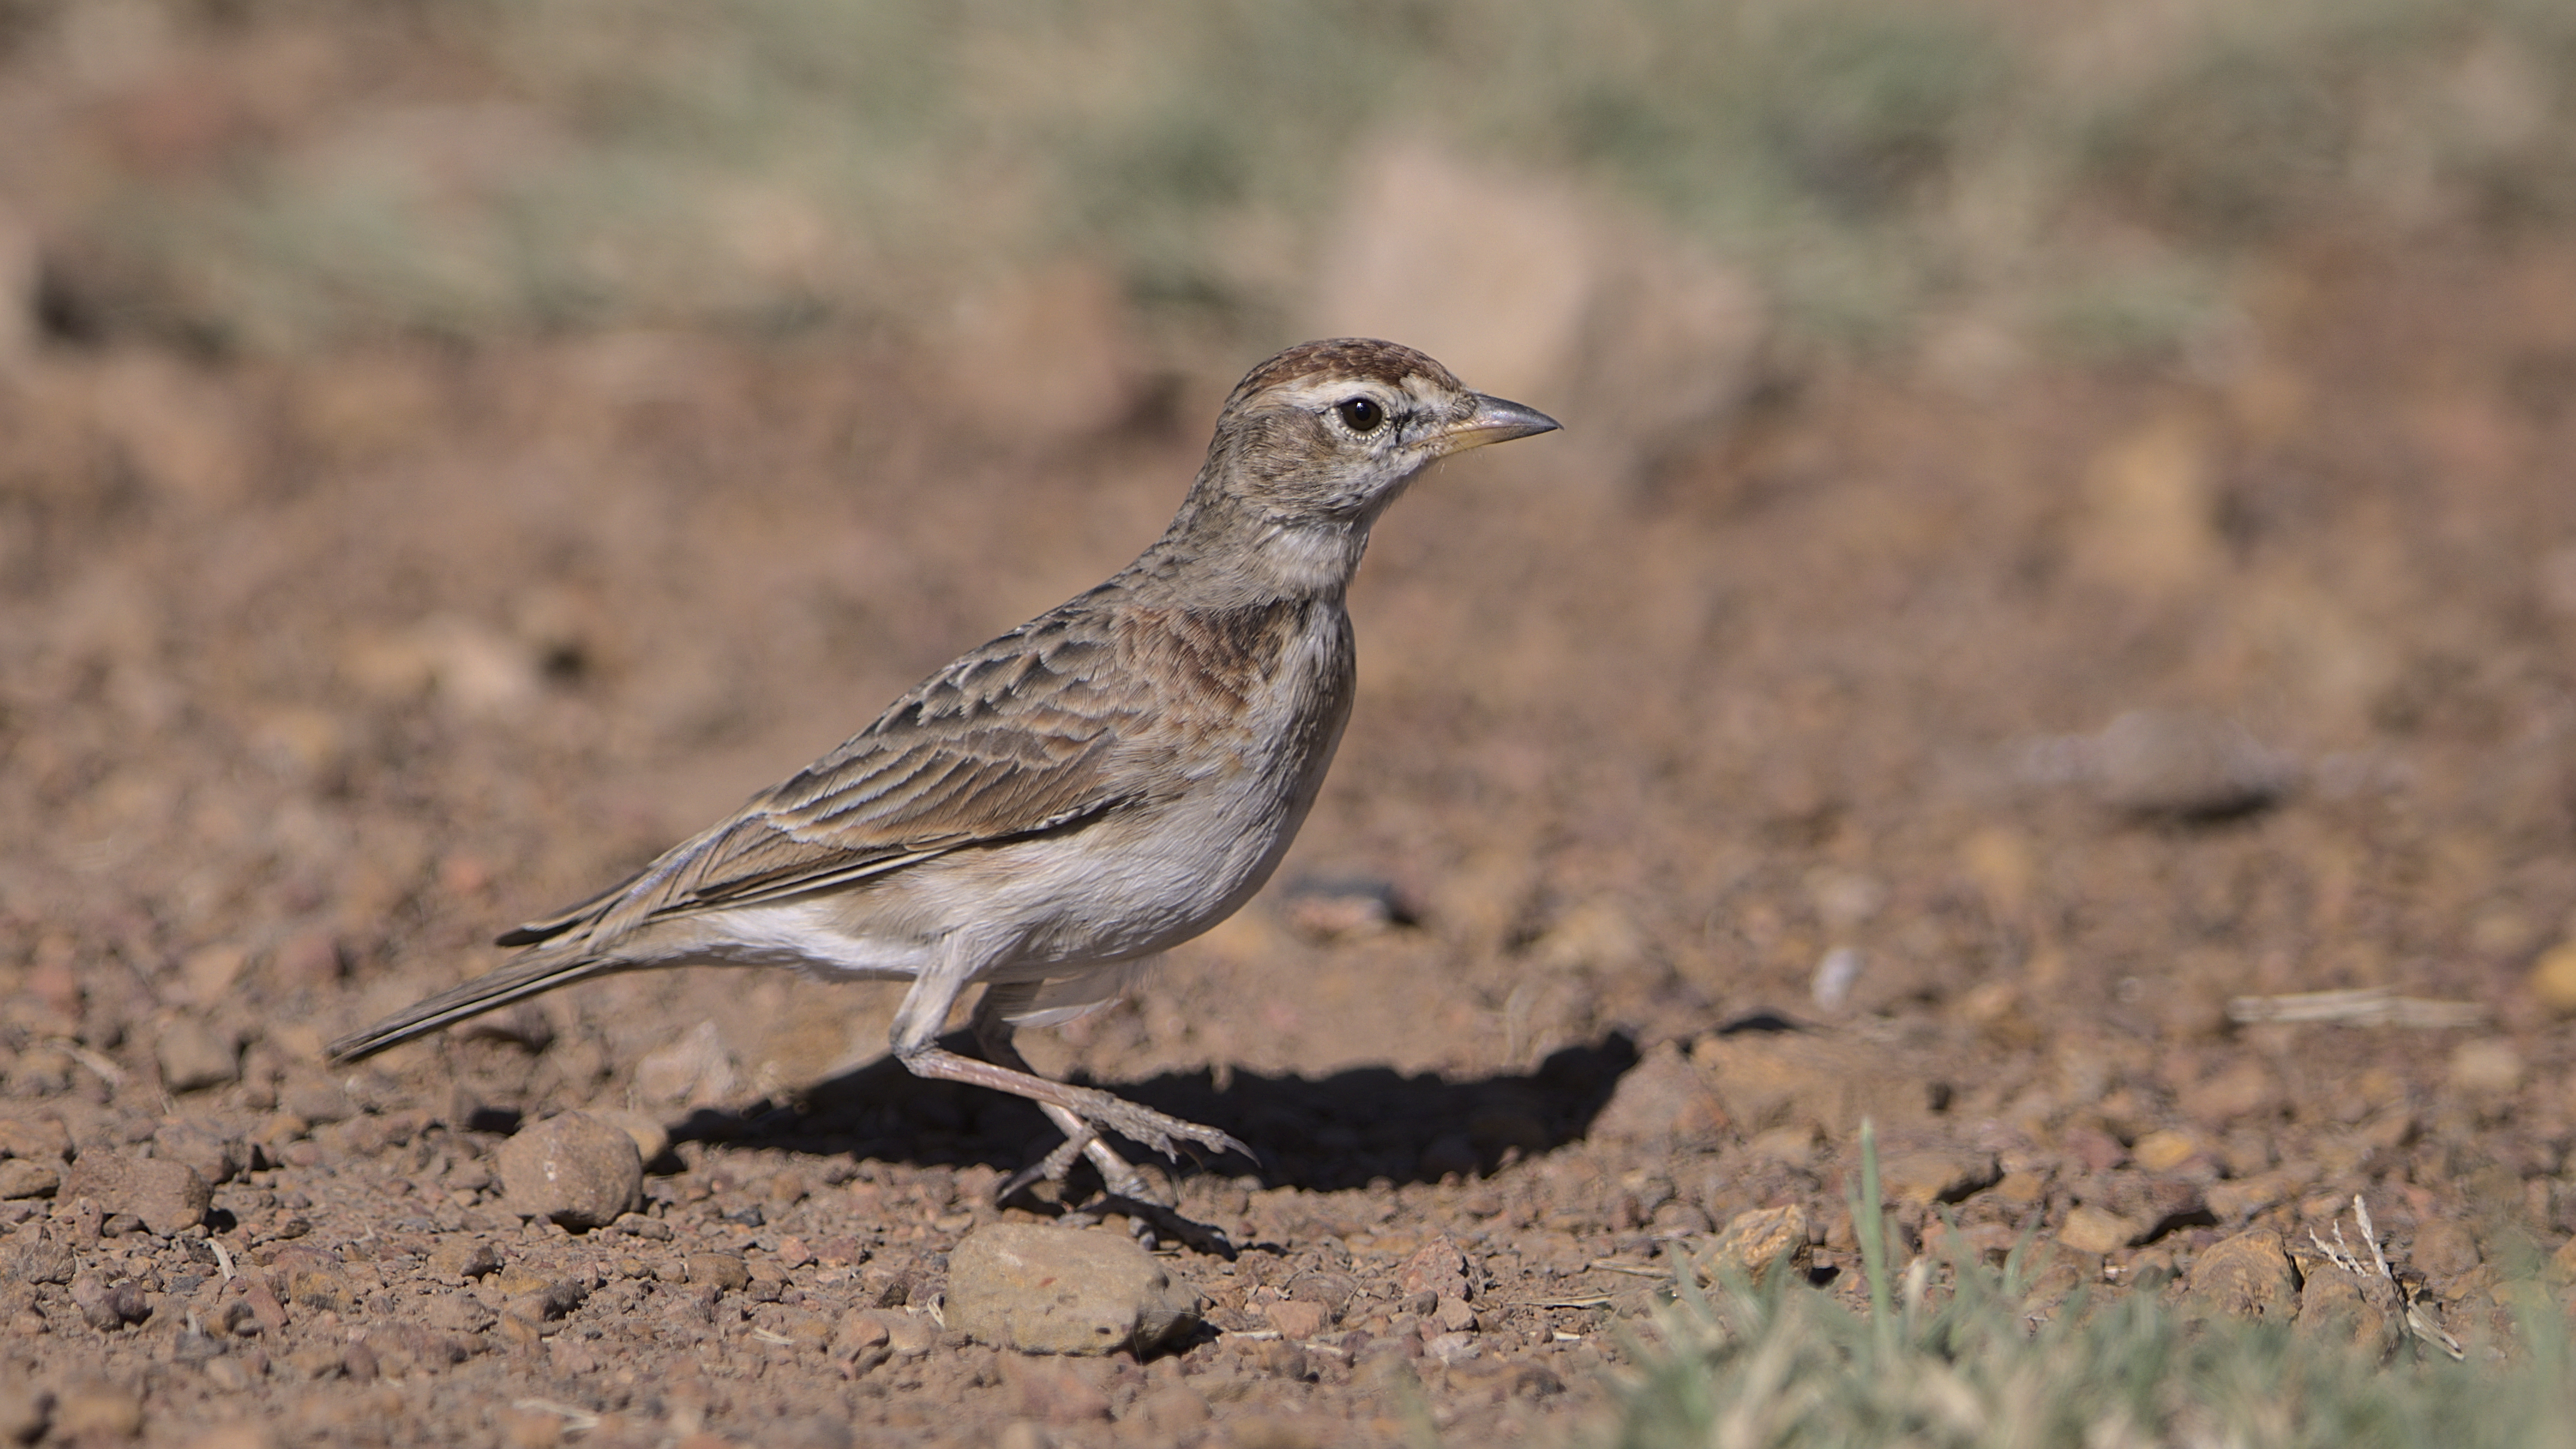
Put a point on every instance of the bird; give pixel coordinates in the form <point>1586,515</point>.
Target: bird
<point>1058,806</point>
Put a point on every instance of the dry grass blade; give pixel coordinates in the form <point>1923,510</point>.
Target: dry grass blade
<point>2365,1006</point>
<point>576,1420</point>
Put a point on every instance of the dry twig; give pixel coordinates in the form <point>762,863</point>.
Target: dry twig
<point>2381,1283</point>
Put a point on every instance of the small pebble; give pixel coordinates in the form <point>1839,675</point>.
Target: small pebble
<point>2345,1307</point>
<point>314,1278</point>
<point>317,1100</point>
<point>42,1139</point>
<point>2246,1276</point>
<point>2553,978</point>
<point>1450,1347</point>
<point>218,1155</point>
<point>869,1336</point>
<point>311,959</point>
<point>1284,1359</point>
<point>1661,1103</point>
<point>573,1169</point>
<point>21,1177</point>
<point>1436,1268</point>
<point>1831,985</point>
<point>2090,1229</point>
<point>458,1258</point>
<point>2163,1151</point>
<point>1753,1241</point>
<point>2486,1068</point>
<point>861,1340</point>
<point>2181,763</point>
<point>1936,1175</point>
<point>652,1139</point>
<point>1294,1319</point>
<point>725,1271</point>
<point>195,1054</point>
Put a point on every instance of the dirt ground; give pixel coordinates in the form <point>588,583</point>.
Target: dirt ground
<point>1679,826</point>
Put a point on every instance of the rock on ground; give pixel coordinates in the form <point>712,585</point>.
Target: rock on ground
<point>196,1054</point>
<point>574,1169</point>
<point>2246,1276</point>
<point>22,1178</point>
<point>1661,1102</point>
<point>1752,1241</point>
<point>1054,1290</point>
<point>170,1197</point>
<point>1932,1175</point>
<point>652,1139</point>
<point>2090,1229</point>
<point>216,1155</point>
<point>2339,1304</point>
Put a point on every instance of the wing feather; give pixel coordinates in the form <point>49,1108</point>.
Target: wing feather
<point>1013,739</point>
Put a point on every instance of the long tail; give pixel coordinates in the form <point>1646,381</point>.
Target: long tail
<point>537,972</point>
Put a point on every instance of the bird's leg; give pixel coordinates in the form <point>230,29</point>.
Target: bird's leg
<point>993,1032</point>
<point>916,1045</point>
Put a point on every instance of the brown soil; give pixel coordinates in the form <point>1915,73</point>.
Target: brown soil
<point>313,675</point>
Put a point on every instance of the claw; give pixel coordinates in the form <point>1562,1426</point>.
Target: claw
<point>1050,1168</point>
<point>1154,1129</point>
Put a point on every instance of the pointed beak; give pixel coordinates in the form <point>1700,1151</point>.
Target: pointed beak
<point>1496,421</point>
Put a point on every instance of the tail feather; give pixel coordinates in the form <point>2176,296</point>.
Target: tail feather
<point>536,973</point>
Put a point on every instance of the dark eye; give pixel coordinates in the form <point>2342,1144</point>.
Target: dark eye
<point>1361,414</point>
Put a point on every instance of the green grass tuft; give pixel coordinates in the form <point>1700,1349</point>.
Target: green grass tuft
<point>1951,1361</point>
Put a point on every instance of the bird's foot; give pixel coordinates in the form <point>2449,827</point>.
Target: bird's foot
<point>1156,1130</point>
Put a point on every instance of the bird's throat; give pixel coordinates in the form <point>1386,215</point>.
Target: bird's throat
<point>1310,559</point>
<point>1228,556</point>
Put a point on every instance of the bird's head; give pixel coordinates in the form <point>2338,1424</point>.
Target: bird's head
<point>1334,430</point>
<point>1314,444</point>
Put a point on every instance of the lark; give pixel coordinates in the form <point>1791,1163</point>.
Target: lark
<point>1092,788</point>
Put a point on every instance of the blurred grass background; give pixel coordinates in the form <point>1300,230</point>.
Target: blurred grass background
<point>280,174</point>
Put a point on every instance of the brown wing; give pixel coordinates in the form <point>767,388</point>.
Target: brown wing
<point>1014,738</point>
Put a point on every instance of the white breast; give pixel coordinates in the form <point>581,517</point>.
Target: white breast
<point>1143,881</point>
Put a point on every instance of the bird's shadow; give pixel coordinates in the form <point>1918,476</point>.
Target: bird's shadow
<point>1344,1130</point>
